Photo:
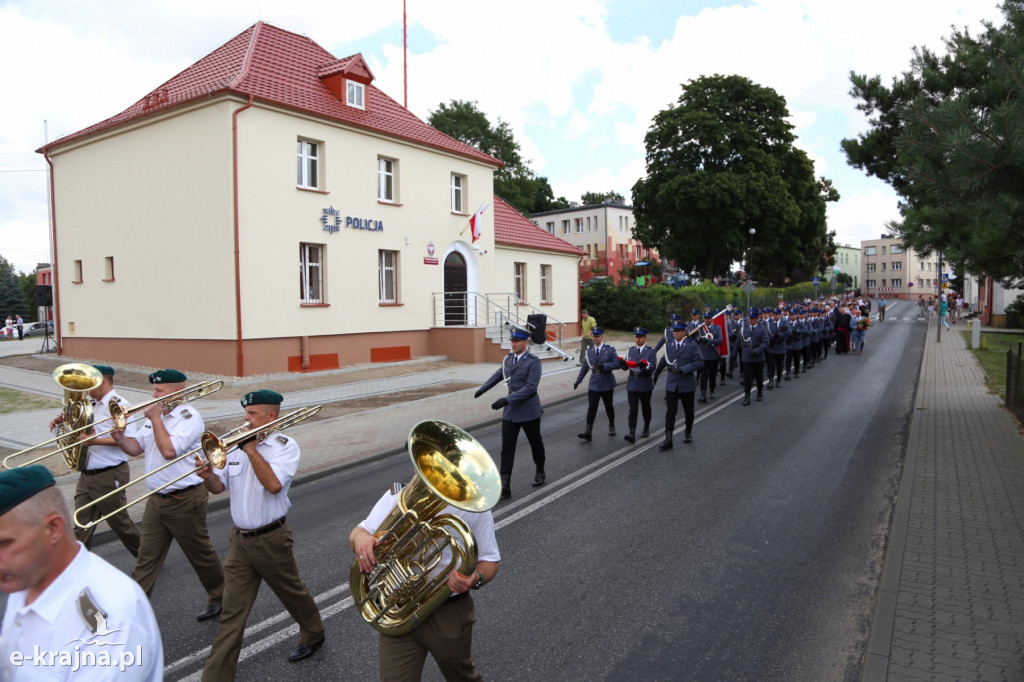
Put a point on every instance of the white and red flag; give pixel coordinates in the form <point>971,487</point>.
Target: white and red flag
<point>719,321</point>
<point>476,222</point>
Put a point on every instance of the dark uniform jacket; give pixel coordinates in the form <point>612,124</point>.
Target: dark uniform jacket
<point>709,347</point>
<point>600,364</point>
<point>523,378</point>
<point>753,342</point>
<point>680,363</point>
<point>778,334</point>
<point>641,378</point>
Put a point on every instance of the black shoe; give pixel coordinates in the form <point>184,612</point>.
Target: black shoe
<point>646,433</point>
<point>303,651</point>
<point>212,611</point>
<point>586,435</point>
<point>667,445</point>
<point>611,429</point>
<point>538,480</point>
<point>769,386</point>
<point>505,493</point>
<point>759,397</point>
<point>729,375</point>
<point>796,376</point>
<point>786,377</point>
<point>630,437</point>
<point>711,396</point>
<point>703,397</point>
<point>746,400</point>
<point>687,438</point>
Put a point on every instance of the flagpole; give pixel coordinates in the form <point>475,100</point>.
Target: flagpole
<point>405,56</point>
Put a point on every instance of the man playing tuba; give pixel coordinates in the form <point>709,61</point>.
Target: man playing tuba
<point>401,657</point>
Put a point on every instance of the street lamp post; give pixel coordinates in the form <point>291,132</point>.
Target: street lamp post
<point>750,263</point>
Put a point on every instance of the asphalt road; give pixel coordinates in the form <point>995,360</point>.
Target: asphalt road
<point>752,554</point>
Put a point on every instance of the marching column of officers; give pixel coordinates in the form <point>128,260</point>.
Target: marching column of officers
<point>51,577</point>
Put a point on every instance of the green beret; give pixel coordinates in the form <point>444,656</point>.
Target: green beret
<point>17,485</point>
<point>104,370</point>
<point>262,397</point>
<point>167,376</point>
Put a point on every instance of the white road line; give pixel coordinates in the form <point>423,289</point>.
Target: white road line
<point>567,485</point>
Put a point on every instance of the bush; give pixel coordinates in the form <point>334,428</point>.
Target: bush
<point>1015,313</point>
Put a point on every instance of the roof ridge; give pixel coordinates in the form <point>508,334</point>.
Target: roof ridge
<point>247,60</point>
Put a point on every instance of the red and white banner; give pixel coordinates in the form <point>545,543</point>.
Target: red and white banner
<point>476,221</point>
<point>719,321</point>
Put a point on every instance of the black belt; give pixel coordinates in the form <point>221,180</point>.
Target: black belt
<point>92,472</point>
<point>273,525</point>
<point>456,597</point>
<point>172,493</point>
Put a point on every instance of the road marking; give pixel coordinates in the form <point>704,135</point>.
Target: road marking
<point>529,504</point>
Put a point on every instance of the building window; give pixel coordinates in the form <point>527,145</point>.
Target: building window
<point>883,250</point>
<point>870,267</point>
<point>545,284</point>
<point>588,223</point>
<point>869,251</point>
<point>309,160</point>
<point>458,185</point>
<point>311,273</point>
<point>388,261</point>
<point>895,248</point>
<point>897,265</point>
<point>639,252</point>
<point>519,280</point>
<point>579,225</point>
<point>108,269</point>
<point>928,283</point>
<point>565,227</point>
<point>897,282</point>
<point>883,267</point>
<point>78,273</point>
<point>550,227</point>
<point>386,179</point>
<point>355,94</point>
<point>869,283</point>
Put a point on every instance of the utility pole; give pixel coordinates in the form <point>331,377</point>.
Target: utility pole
<point>938,302</point>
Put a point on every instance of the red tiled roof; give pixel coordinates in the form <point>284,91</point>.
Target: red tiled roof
<point>282,68</point>
<point>512,228</point>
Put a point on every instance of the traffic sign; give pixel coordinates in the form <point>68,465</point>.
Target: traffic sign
<point>945,277</point>
<point>816,281</point>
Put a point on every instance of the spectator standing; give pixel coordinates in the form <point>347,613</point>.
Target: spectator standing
<point>20,325</point>
<point>586,329</point>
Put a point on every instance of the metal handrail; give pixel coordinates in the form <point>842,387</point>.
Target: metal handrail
<point>504,310</point>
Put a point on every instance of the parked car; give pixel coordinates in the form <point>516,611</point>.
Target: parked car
<point>597,281</point>
<point>729,282</point>
<point>38,328</point>
<point>678,281</point>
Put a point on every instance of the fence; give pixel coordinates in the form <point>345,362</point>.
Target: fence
<point>1015,383</point>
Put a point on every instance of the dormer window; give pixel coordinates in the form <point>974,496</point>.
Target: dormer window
<point>355,94</point>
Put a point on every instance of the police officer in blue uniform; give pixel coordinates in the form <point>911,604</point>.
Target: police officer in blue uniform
<point>521,408</point>
<point>640,361</point>
<point>681,360</point>
<point>709,339</point>
<point>667,335</point>
<point>778,334</point>
<point>733,329</point>
<point>753,343</point>
<point>795,346</point>
<point>601,361</point>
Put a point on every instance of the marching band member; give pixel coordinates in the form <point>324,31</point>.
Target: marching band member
<point>753,342</point>
<point>259,473</point>
<point>681,360</point>
<point>709,340</point>
<point>177,513</point>
<point>640,362</point>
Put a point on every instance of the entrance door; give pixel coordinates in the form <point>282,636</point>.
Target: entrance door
<point>455,312</point>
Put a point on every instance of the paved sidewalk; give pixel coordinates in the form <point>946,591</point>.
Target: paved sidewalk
<point>951,600</point>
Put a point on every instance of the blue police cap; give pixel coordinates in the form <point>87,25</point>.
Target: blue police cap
<point>679,327</point>
<point>518,334</point>
<point>753,312</point>
<point>695,312</point>
<point>640,331</point>
<point>597,331</point>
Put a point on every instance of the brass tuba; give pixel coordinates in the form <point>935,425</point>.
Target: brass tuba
<point>77,379</point>
<point>409,580</point>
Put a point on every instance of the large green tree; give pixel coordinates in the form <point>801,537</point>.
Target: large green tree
<point>515,182</point>
<point>721,162</point>
<point>948,136</point>
<point>610,196</point>
<point>12,301</point>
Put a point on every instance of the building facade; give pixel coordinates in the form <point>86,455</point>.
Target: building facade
<point>890,269</point>
<point>180,224</point>
<point>603,232</point>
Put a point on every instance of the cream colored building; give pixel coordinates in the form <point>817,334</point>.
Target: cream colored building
<point>269,209</point>
<point>890,269</point>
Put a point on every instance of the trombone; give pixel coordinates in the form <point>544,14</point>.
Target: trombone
<point>118,415</point>
<point>213,448</point>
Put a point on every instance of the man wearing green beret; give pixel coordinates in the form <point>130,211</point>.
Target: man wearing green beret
<point>65,605</point>
<point>178,511</point>
<point>258,473</point>
<point>106,470</point>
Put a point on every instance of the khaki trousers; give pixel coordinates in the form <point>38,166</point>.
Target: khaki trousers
<point>447,635</point>
<point>94,486</point>
<point>179,516</point>
<point>249,562</point>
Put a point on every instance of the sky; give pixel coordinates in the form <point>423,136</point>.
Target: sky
<point>578,82</point>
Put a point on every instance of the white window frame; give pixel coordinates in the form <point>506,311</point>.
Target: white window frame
<point>897,265</point>
<point>519,280</point>
<point>551,226</point>
<point>870,267</point>
<point>579,225</point>
<point>308,170</point>
<point>895,248</point>
<point>311,273</point>
<point>869,250</point>
<point>870,284</point>
<point>387,269</point>
<point>566,227</point>
<point>545,284</point>
<point>355,94</point>
<point>898,282</point>
<point>458,188</point>
<point>387,175</point>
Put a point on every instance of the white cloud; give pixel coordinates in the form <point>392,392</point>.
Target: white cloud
<point>862,215</point>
